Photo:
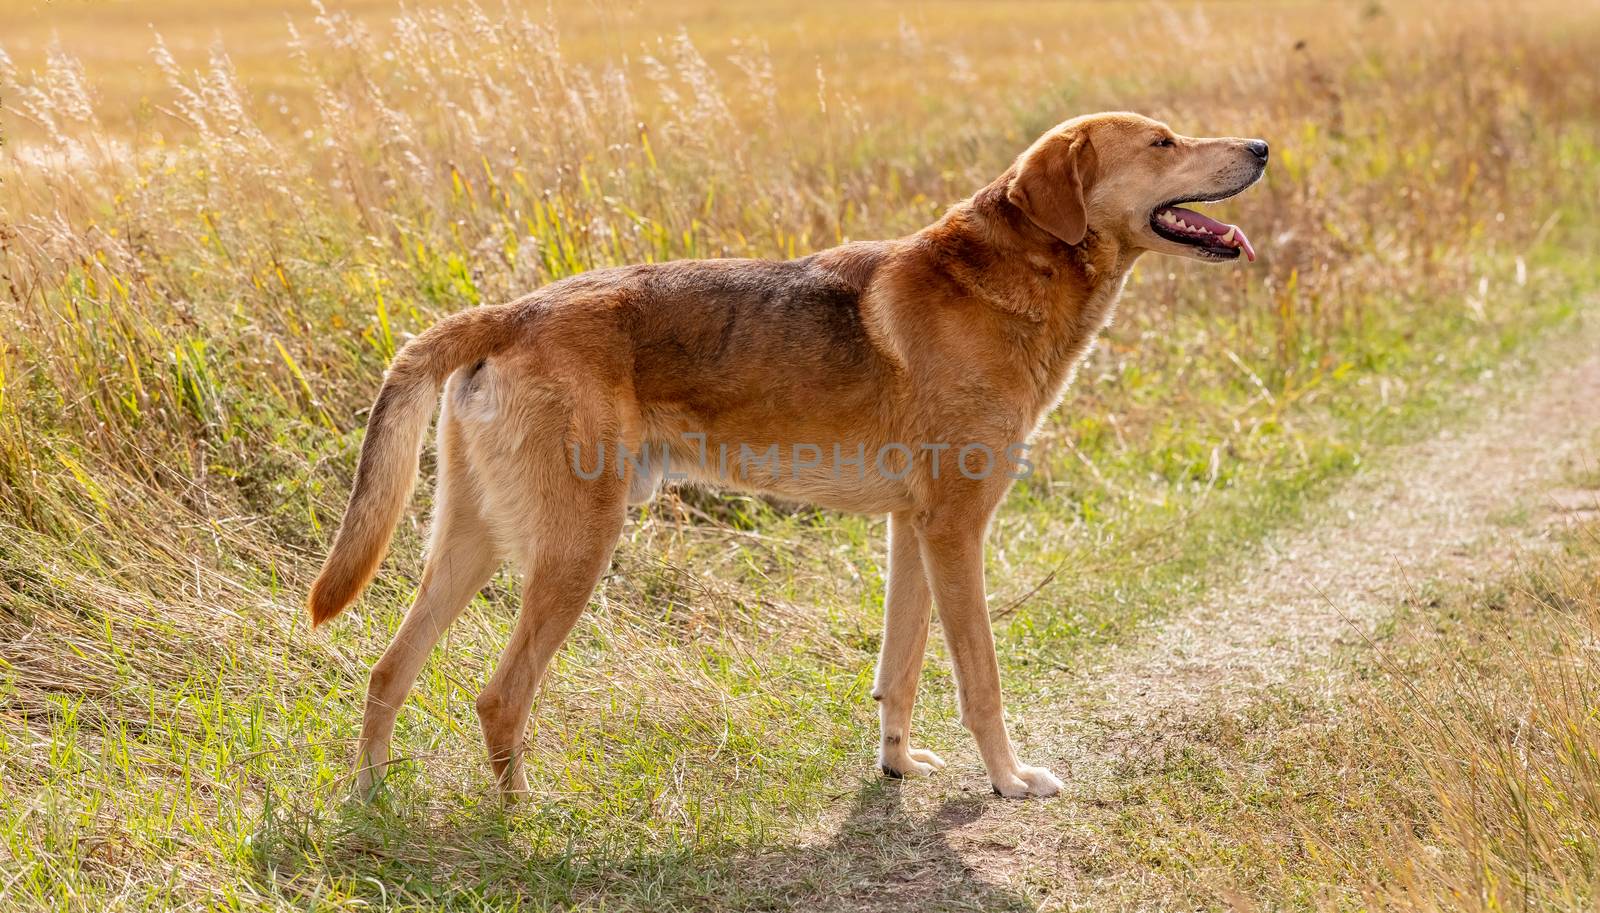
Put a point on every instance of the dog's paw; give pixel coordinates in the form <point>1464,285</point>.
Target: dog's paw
<point>371,765</point>
<point>514,787</point>
<point>909,763</point>
<point>1027,781</point>
<point>364,787</point>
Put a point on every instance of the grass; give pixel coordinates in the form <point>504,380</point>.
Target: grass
<point>205,263</point>
<point>1453,771</point>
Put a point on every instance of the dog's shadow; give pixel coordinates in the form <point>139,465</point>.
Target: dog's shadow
<point>886,857</point>
<point>881,856</point>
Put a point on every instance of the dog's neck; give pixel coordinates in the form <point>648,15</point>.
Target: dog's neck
<point>1021,269</point>
<point>1054,297</point>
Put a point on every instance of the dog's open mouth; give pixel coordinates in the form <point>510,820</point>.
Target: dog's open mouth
<point>1215,239</point>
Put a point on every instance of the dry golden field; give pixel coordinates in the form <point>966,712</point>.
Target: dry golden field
<point>219,220</point>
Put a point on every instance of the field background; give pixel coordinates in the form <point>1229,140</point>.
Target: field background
<point>217,222</point>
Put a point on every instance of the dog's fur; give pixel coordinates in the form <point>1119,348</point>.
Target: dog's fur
<point>965,332</point>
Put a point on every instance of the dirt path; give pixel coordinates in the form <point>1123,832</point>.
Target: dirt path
<point>1459,506</point>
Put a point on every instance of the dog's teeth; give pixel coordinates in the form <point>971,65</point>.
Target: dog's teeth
<point>1228,238</point>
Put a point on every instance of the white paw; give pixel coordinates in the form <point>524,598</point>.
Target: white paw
<point>909,763</point>
<point>365,785</point>
<point>370,765</point>
<point>514,784</point>
<point>1027,781</point>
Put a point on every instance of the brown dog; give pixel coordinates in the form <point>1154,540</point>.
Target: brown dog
<point>872,377</point>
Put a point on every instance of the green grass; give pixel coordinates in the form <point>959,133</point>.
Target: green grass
<point>187,348</point>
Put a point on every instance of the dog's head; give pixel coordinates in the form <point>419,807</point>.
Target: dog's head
<point>1125,175</point>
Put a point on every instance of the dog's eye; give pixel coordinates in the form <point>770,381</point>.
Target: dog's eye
<point>1163,143</point>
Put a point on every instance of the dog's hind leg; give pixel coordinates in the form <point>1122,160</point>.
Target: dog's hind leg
<point>461,559</point>
<point>561,573</point>
<point>907,611</point>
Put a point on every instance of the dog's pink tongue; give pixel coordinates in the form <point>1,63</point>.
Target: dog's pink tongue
<point>1231,235</point>
<point>1240,241</point>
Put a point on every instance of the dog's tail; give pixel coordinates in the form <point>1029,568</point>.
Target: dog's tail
<point>395,426</point>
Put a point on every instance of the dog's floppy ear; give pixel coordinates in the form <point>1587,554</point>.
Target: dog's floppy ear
<point>1050,184</point>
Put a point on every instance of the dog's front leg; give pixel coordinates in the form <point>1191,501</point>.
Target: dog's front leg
<point>907,607</point>
<point>952,550</point>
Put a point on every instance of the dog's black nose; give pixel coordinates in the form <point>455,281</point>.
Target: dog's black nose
<point>1258,148</point>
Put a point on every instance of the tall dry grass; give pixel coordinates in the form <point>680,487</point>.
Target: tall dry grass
<point>1473,753</point>
<point>203,305</point>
